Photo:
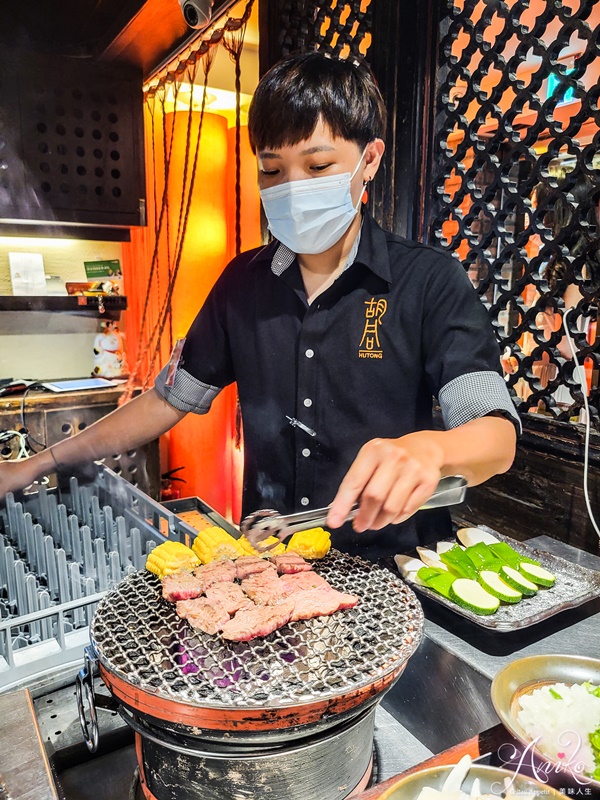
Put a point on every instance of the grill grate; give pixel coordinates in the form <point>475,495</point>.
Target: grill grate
<point>139,637</point>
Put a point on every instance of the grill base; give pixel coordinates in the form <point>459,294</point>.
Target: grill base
<point>332,766</point>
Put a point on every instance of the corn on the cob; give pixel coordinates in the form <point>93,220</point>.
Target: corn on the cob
<point>215,543</point>
<point>314,543</point>
<point>274,551</point>
<point>170,557</point>
<point>246,546</point>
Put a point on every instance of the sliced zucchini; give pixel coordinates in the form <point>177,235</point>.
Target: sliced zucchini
<point>494,584</point>
<point>510,556</point>
<point>537,574</point>
<point>471,536</point>
<point>517,581</point>
<point>473,597</point>
<point>439,580</point>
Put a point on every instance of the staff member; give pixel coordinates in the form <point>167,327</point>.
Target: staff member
<point>337,334</point>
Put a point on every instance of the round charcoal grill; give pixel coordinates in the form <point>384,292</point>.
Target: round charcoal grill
<point>302,696</point>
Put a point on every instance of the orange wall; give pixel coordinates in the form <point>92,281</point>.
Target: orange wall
<point>204,445</point>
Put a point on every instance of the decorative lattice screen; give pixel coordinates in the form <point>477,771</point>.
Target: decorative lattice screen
<point>517,183</point>
<point>337,27</point>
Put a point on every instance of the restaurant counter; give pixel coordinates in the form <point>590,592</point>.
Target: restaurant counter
<point>440,705</point>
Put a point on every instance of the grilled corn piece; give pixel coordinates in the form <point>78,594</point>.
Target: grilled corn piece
<point>215,543</point>
<point>170,557</point>
<point>246,546</point>
<point>314,543</point>
<point>272,551</point>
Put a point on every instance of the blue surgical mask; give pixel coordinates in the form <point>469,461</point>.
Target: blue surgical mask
<point>310,216</point>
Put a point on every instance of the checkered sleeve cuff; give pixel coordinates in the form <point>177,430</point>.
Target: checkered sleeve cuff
<point>187,392</point>
<point>476,395</point>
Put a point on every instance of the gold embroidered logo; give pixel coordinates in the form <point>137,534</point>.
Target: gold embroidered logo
<point>370,346</point>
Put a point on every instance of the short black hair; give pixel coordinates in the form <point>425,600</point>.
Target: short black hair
<point>299,90</point>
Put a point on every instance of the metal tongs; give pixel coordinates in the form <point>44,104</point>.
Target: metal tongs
<point>260,525</point>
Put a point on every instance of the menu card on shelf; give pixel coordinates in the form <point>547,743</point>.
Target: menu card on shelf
<point>27,274</point>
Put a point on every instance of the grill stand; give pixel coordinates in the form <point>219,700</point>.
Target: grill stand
<point>331,766</point>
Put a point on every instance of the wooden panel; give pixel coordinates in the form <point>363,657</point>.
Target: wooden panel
<point>543,492</point>
<point>25,771</point>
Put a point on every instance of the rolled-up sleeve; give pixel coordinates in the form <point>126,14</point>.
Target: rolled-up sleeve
<point>205,367</point>
<point>187,393</point>
<point>462,357</point>
<point>475,395</point>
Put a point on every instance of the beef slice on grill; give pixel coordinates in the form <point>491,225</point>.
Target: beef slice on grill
<point>229,595</point>
<point>258,621</point>
<point>204,614</point>
<point>181,586</point>
<point>310,603</point>
<point>265,588</point>
<point>301,581</point>
<point>215,572</point>
<point>290,563</point>
<point>251,565</point>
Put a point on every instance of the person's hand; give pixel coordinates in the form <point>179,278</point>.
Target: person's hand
<point>392,478</point>
<point>15,475</point>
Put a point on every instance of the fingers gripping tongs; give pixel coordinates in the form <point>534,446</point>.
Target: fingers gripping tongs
<point>260,525</point>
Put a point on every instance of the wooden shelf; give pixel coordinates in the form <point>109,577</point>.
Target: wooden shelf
<point>66,304</point>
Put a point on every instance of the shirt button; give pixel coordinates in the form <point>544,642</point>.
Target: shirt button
<point>306,452</point>
<point>308,402</point>
<point>309,353</point>
<point>304,501</point>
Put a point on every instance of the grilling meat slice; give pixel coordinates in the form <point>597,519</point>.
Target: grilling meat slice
<point>181,586</point>
<point>229,595</point>
<point>266,588</point>
<point>251,565</point>
<point>290,563</point>
<point>205,615</point>
<point>301,581</point>
<point>215,572</point>
<point>311,603</point>
<point>258,621</point>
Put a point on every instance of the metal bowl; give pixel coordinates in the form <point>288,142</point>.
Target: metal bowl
<point>526,674</point>
<point>491,780</point>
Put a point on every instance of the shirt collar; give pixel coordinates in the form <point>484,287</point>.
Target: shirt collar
<point>369,248</point>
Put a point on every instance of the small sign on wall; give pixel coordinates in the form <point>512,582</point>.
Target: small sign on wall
<point>108,268</point>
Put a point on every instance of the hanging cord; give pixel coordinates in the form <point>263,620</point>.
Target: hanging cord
<point>29,438</point>
<point>6,436</point>
<point>188,138</point>
<point>191,79</point>
<point>143,349</point>
<point>152,111</point>
<point>586,454</point>
<point>234,44</point>
<point>205,47</point>
<point>160,326</point>
<point>167,151</point>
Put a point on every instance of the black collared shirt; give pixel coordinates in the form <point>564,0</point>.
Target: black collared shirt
<point>401,325</point>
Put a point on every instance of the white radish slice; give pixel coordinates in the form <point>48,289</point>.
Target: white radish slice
<point>408,565</point>
<point>476,788</point>
<point>430,558</point>
<point>443,547</point>
<point>457,775</point>
<point>472,536</point>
